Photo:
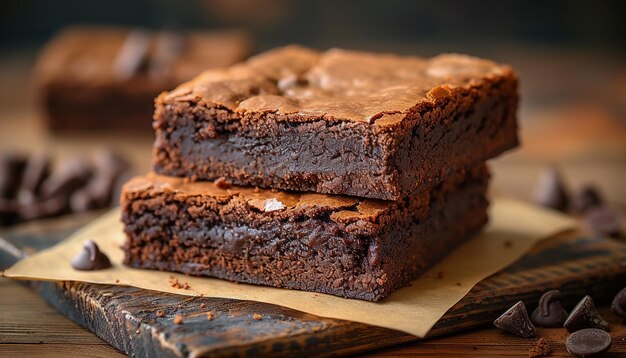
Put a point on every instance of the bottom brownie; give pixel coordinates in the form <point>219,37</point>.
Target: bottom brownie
<point>344,246</point>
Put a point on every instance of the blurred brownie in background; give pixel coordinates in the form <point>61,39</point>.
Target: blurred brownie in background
<point>108,77</point>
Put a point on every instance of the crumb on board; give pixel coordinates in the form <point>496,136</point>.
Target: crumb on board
<point>257,317</point>
<point>541,349</point>
<point>178,319</point>
<point>209,316</point>
<point>160,313</point>
<point>176,283</point>
<point>508,243</point>
<point>117,280</point>
<point>440,275</point>
<point>202,305</point>
<point>458,284</point>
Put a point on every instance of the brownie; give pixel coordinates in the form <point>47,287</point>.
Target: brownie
<point>108,77</point>
<point>339,245</point>
<point>338,122</point>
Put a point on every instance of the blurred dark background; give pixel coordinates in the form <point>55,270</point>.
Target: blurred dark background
<point>390,24</point>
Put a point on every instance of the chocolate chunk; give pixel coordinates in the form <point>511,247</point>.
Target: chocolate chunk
<point>588,342</point>
<point>8,211</point>
<point>36,171</point>
<point>98,192</point>
<point>551,191</point>
<point>586,198</point>
<point>169,46</point>
<point>605,220</point>
<point>11,169</point>
<point>90,258</point>
<point>618,306</point>
<point>69,176</point>
<point>133,55</point>
<point>585,315</point>
<point>516,321</point>
<point>54,206</point>
<point>82,201</point>
<point>550,313</point>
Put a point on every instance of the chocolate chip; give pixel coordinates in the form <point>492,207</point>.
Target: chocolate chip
<point>588,342</point>
<point>70,175</point>
<point>516,321</point>
<point>605,220</point>
<point>54,206</point>
<point>586,198</point>
<point>133,55</point>
<point>8,211</point>
<point>618,306</point>
<point>109,166</point>
<point>585,315</point>
<point>11,169</point>
<point>90,258</point>
<point>82,200</point>
<point>551,192</point>
<point>550,313</point>
<point>36,171</point>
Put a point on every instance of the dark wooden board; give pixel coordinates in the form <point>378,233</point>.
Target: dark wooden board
<point>126,317</point>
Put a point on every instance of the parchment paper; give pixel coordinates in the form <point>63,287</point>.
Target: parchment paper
<point>514,228</point>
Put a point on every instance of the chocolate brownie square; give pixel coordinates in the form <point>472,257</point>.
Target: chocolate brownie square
<point>339,122</point>
<point>339,245</point>
<point>108,77</point>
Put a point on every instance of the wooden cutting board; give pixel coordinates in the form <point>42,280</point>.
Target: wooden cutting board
<point>127,319</point>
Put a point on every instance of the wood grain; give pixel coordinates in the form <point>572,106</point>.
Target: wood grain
<point>127,317</point>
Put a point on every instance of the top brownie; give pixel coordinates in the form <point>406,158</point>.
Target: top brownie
<point>339,122</point>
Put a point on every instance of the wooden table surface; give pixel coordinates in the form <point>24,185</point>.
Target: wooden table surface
<point>577,122</point>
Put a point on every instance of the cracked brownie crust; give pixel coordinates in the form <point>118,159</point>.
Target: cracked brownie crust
<point>338,122</point>
<point>344,246</point>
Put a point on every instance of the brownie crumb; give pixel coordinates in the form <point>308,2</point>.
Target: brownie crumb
<point>257,190</point>
<point>458,284</point>
<point>440,275</point>
<point>508,243</point>
<point>160,313</point>
<point>202,305</point>
<point>541,349</point>
<point>209,316</point>
<point>176,283</point>
<point>222,183</point>
<point>178,319</point>
<point>117,280</point>
<point>257,317</point>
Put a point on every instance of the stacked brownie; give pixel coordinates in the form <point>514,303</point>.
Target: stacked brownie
<point>339,172</point>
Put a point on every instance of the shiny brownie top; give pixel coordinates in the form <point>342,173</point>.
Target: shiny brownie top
<point>303,84</point>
